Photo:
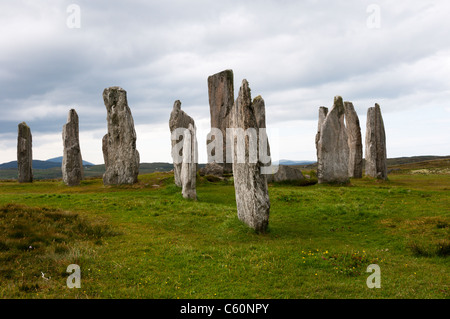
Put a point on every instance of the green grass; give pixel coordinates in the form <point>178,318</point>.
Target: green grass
<point>146,241</point>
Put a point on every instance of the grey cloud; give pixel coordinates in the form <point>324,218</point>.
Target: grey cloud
<point>297,55</point>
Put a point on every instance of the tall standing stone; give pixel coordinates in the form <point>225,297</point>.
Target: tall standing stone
<point>252,198</point>
<point>24,154</point>
<point>375,144</point>
<point>332,146</point>
<point>72,164</point>
<point>259,107</point>
<point>188,174</point>
<point>119,144</point>
<point>178,119</point>
<point>323,111</point>
<point>355,160</point>
<point>221,99</point>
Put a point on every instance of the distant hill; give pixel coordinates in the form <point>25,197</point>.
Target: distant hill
<point>413,159</point>
<point>60,159</point>
<point>289,162</point>
<point>52,170</point>
<point>432,164</point>
<point>391,162</point>
<point>36,164</point>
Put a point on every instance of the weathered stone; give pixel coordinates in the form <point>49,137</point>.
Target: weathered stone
<point>375,144</point>
<point>24,154</point>
<point>259,108</point>
<point>285,173</point>
<point>355,159</point>
<point>72,164</point>
<point>332,146</point>
<point>323,111</point>
<point>119,144</point>
<point>221,99</point>
<point>213,169</point>
<point>188,174</point>
<point>252,198</point>
<point>178,119</point>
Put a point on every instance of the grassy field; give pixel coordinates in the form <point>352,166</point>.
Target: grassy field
<point>146,241</point>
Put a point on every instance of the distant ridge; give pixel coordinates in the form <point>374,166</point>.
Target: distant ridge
<point>38,164</point>
<point>289,162</point>
<point>60,159</point>
<point>395,161</point>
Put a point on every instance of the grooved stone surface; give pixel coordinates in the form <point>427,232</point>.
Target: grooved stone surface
<point>119,144</point>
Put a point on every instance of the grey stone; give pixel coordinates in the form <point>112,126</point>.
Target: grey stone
<point>72,164</point>
<point>212,169</point>
<point>285,173</point>
<point>188,174</point>
<point>323,111</point>
<point>252,198</point>
<point>24,154</point>
<point>375,144</point>
<point>221,99</point>
<point>178,119</point>
<point>332,146</point>
<point>259,107</point>
<point>355,164</point>
<point>119,144</point>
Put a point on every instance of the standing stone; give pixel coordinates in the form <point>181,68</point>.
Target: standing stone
<point>323,111</point>
<point>332,146</point>
<point>355,160</point>
<point>119,144</point>
<point>188,174</point>
<point>72,164</point>
<point>259,107</point>
<point>221,99</point>
<point>252,198</point>
<point>24,154</point>
<point>375,144</point>
<point>178,119</point>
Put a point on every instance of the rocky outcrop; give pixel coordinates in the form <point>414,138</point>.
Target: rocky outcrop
<point>252,198</point>
<point>355,157</point>
<point>72,164</point>
<point>221,99</point>
<point>119,144</point>
<point>213,169</point>
<point>285,173</point>
<point>188,174</point>
<point>332,146</point>
<point>24,154</point>
<point>375,144</point>
<point>178,119</point>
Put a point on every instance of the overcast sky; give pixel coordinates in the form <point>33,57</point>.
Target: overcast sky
<point>297,55</point>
